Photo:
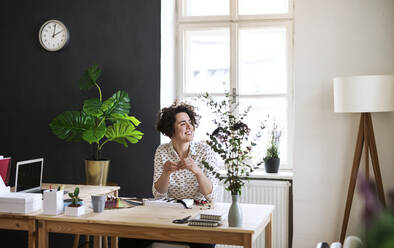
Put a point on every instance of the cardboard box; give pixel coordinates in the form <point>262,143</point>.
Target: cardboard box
<point>20,202</point>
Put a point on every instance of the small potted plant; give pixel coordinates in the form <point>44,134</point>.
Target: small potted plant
<point>272,159</point>
<point>99,122</point>
<point>75,208</point>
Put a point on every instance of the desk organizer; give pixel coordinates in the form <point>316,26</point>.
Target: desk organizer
<point>53,202</point>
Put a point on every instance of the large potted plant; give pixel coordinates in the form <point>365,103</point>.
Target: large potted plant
<point>98,123</point>
<point>231,140</point>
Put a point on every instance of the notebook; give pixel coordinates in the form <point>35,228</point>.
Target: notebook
<point>28,176</point>
<point>198,221</point>
<point>212,214</point>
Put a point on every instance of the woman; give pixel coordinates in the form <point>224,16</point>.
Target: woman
<point>178,169</point>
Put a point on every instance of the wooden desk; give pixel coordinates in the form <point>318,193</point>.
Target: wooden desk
<point>27,222</point>
<point>156,224</point>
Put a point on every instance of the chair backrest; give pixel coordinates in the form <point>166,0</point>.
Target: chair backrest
<point>5,169</point>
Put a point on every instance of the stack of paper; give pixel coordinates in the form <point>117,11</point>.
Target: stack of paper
<point>169,203</point>
<point>20,202</point>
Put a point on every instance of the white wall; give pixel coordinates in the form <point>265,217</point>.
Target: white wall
<point>335,38</point>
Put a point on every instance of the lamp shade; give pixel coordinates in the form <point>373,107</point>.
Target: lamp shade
<point>356,94</point>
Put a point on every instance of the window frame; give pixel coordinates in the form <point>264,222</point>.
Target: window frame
<point>235,23</point>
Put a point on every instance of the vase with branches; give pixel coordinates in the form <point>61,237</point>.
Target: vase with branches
<point>232,142</point>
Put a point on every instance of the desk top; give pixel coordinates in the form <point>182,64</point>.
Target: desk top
<point>255,217</point>
<point>85,192</point>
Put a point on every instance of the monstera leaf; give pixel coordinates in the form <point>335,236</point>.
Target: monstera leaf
<point>122,131</point>
<point>118,103</point>
<point>93,107</point>
<point>94,134</point>
<point>89,77</point>
<point>124,117</point>
<point>70,125</point>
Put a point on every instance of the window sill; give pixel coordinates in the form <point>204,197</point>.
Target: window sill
<point>261,174</point>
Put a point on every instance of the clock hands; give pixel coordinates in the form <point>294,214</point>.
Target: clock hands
<point>57,33</point>
<point>54,29</point>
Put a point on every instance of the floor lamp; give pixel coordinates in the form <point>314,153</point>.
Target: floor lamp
<point>363,94</point>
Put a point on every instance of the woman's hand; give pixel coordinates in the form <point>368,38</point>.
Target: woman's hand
<point>169,167</point>
<point>189,164</point>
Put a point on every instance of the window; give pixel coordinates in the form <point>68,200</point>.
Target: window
<point>243,47</point>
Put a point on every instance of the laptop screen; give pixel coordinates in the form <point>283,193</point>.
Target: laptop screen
<point>29,175</point>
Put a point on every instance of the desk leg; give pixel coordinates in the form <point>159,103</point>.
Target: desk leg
<point>32,239</point>
<point>97,240</point>
<point>247,241</point>
<point>268,233</point>
<point>114,242</point>
<point>76,241</point>
<point>42,234</point>
<point>32,235</point>
<point>105,241</point>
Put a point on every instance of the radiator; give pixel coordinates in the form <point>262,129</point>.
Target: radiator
<point>265,192</point>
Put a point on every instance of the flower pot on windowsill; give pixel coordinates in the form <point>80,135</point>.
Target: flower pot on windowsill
<point>271,165</point>
<point>74,211</point>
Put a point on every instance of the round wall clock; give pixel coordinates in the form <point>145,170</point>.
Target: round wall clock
<point>53,35</point>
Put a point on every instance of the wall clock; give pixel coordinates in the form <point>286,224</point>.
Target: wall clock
<point>53,35</point>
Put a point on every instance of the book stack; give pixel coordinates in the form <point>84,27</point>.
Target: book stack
<point>208,218</point>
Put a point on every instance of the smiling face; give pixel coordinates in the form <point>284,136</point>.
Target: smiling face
<point>183,128</point>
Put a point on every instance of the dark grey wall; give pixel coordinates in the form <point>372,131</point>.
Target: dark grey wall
<point>123,38</point>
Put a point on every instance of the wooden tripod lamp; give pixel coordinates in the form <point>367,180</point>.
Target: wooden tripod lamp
<point>363,94</point>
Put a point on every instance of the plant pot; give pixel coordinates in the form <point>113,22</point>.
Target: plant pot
<point>235,217</point>
<point>96,172</point>
<point>272,165</point>
<point>74,211</point>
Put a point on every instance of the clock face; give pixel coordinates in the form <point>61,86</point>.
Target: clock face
<point>53,35</point>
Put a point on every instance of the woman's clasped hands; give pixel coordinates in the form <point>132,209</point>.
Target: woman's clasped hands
<point>187,163</point>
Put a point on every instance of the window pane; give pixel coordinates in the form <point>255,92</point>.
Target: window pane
<point>263,60</point>
<point>207,61</point>
<point>206,7</point>
<point>276,108</point>
<point>205,124</point>
<point>261,7</point>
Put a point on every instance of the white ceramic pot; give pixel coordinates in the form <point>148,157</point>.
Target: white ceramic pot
<point>74,211</point>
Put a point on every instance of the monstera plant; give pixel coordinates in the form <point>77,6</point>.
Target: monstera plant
<point>99,122</point>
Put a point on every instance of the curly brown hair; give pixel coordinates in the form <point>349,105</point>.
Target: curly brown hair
<point>166,117</point>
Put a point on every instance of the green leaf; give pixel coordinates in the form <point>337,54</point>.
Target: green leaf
<point>89,77</point>
<point>93,107</point>
<point>120,104</point>
<point>134,120</point>
<point>121,141</point>
<point>94,134</point>
<point>76,192</point>
<point>70,125</point>
<point>124,117</point>
<point>123,130</point>
<point>107,104</point>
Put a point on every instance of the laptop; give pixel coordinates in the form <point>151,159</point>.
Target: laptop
<point>28,176</point>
